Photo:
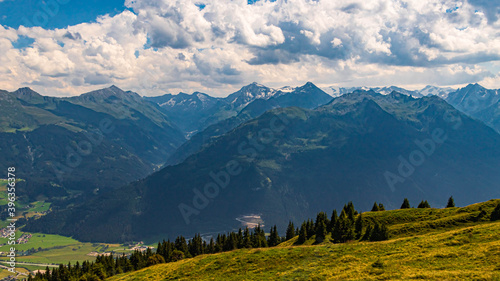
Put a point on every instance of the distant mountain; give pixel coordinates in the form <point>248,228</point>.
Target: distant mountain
<point>154,137</point>
<point>188,111</point>
<point>478,102</point>
<point>339,91</point>
<point>436,91</point>
<point>249,93</point>
<point>388,90</point>
<point>290,163</point>
<point>428,90</point>
<point>195,112</point>
<point>307,96</point>
<point>99,140</point>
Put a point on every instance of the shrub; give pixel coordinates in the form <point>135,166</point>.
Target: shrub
<point>495,215</point>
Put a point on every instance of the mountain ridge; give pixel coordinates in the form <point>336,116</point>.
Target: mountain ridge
<point>340,151</point>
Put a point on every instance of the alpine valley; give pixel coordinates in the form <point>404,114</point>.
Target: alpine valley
<point>181,164</point>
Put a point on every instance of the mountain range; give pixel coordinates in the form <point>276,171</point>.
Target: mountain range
<point>478,102</point>
<point>291,162</point>
<point>104,144</point>
<point>441,92</point>
<point>99,140</point>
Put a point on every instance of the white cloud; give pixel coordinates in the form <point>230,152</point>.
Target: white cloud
<point>169,46</point>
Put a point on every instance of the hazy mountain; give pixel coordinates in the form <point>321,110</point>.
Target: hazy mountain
<point>388,90</point>
<point>188,111</point>
<point>339,91</point>
<point>248,94</point>
<point>154,138</point>
<point>195,112</point>
<point>441,92</point>
<point>478,102</point>
<point>427,90</point>
<point>307,96</point>
<point>98,140</point>
<point>290,163</point>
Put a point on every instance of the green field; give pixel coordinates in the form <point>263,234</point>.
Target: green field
<point>427,244</point>
<point>55,249</point>
<point>23,209</point>
<point>44,241</point>
<point>59,249</point>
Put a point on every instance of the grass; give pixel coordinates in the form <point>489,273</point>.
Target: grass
<point>58,249</point>
<point>38,240</point>
<point>429,244</point>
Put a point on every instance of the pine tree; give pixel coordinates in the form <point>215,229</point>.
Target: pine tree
<point>310,228</point>
<point>290,231</point>
<point>321,217</point>
<point>347,230</point>
<point>350,211</point>
<point>181,245</point>
<point>302,234</point>
<point>451,203</point>
<point>273,237</point>
<point>358,226</point>
<point>381,207</point>
<point>337,231</point>
<point>368,233</point>
<point>333,220</point>
<point>406,204</point>
<point>320,231</point>
<point>424,204</point>
<point>375,207</point>
<point>247,241</point>
<point>495,215</point>
<point>259,237</point>
<point>380,232</point>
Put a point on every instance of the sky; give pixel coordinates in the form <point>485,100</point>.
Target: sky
<point>153,47</point>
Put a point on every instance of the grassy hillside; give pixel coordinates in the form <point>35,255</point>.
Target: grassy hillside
<point>429,244</point>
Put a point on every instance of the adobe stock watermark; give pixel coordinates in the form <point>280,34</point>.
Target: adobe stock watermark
<point>250,147</point>
<point>47,10</point>
<point>425,149</point>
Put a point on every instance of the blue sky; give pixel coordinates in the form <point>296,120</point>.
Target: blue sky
<point>66,47</point>
<point>55,14</point>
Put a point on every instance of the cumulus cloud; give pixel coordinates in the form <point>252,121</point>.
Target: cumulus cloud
<point>216,46</point>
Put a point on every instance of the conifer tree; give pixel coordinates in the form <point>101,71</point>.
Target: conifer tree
<point>424,204</point>
<point>337,231</point>
<point>368,233</point>
<point>302,234</point>
<point>451,203</point>
<point>320,231</point>
<point>347,230</point>
<point>181,245</point>
<point>321,217</point>
<point>273,237</point>
<point>290,231</point>
<point>379,232</point>
<point>358,226</point>
<point>247,242</point>
<point>350,211</point>
<point>310,228</point>
<point>333,220</point>
<point>406,204</point>
<point>375,207</point>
